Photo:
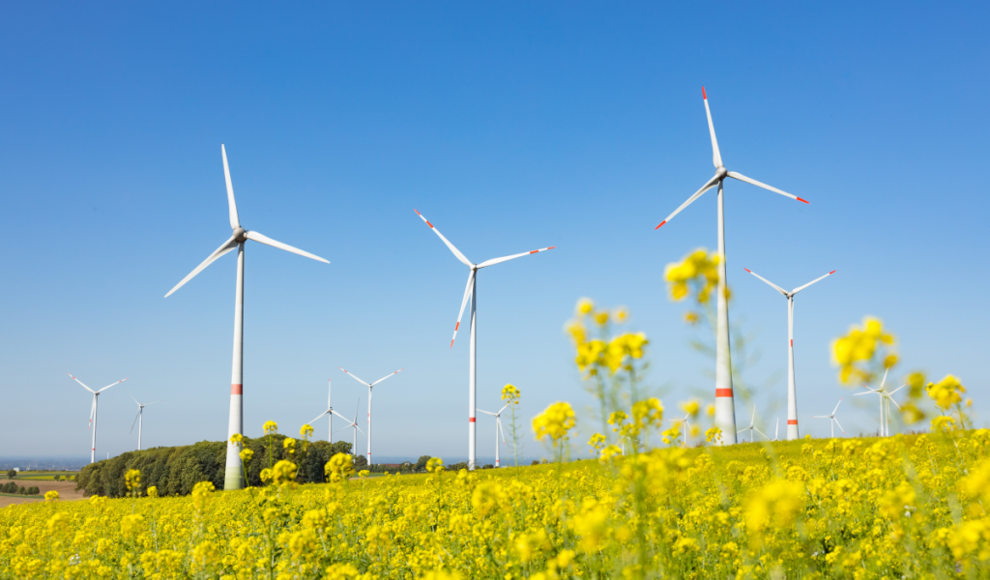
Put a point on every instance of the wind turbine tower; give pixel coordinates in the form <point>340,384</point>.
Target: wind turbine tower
<point>92,412</point>
<point>471,291</point>
<point>725,412</point>
<point>792,420</point>
<point>233,478</point>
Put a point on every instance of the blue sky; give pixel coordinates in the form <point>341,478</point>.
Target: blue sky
<point>511,126</point>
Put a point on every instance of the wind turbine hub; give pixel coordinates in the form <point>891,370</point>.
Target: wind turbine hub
<point>721,172</point>
<point>240,234</point>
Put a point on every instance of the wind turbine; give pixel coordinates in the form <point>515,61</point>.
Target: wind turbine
<point>792,421</point>
<point>752,427</point>
<point>353,424</point>
<point>139,418</point>
<point>370,385</point>
<point>685,424</point>
<point>886,397</point>
<point>776,431</point>
<point>725,413</point>
<point>233,472</point>
<point>92,412</point>
<point>498,430</point>
<point>832,420</point>
<point>330,412</point>
<point>471,291</point>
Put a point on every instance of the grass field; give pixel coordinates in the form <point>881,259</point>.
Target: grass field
<point>43,475</point>
<point>904,506</point>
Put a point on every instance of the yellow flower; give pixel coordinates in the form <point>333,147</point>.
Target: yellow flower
<point>556,421</point>
<point>434,464</point>
<point>597,442</point>
<point>946,392</point>
<point>591,524</point>
<point>306,431</point>
<point>130,525</point>
<point>363,473</point>
<point>510,394</point>
<point>691,407</point>
<point>266,475</point>
<point>691,317</point>
<point>284,472</point>
<point>132,479</point>
<point>487,498</point>
<point>271,427</point>
<point>621,315</point>
<point>698,270</point>
<point>51,496</point>
<point>339,468</point>
<point>585,306</point>
<point>289,444</point>
<point>152,491</point>
<point>777,502</point>
<point>601,318</point>
<point>236,439</point>
<point>246,455</point>
<point>854,352</point>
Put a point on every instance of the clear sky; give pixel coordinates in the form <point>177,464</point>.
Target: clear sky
<point>511,126</point>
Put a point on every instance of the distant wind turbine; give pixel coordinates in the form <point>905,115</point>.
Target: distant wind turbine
<point>370,385</point>
<point>832,420</point>
<point>725,413</point>
<point>886,398</point>
<point>792,414</point>
<point>330,412</point>
<point>498,430</point>
<point>92,412</point>
<point>233,478</point>
<point>752,427</point>
<point>139,418</point>
<point>471,291</point>
<point>353,425</point>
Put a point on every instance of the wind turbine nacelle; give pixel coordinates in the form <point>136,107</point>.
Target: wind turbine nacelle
<point>240,234</point>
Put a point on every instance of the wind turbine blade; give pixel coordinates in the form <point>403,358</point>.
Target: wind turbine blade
<point>353,376</point>
<point>486,412</point>
<point>761,433</point>
<point>318,417</point>
<point>752,420</point>
<point>716,156</point>
<point>92,412</point>
<point>223,249</point>
<point>884,381</point>
<point>231,204</point>
<point>775,287</point>
<point>708,185</point>
<point>464,301</point>
<point>158,401</point>
<point>359,428</point>
<point>894,402</point>
<point>388,376</point>
<point>742,177</point>
<point>800,288</point>
<point>501,431</point>
<point>820,417</point>
<point>135,422</point>
<point>502,409</point>
<point>457,253</point>
<point>341,416</point>
<point>494,261</point>
<point>870,392</point>
<point>342,428</point>
<point>897,389</point>
<point>840,425</point>
<point>112,384</point>
<point>132,396</point>
<point>81,383</point>
<point>276,244</point>
<point>837,406</point>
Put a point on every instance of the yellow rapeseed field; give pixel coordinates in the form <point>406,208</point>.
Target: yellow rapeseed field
<point>905,506</point>
<point>657,500</point>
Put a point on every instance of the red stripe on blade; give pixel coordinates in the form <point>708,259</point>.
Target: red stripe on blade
<point>661,223</point>
<point>236,389</point>
<point>534,251</point>
<point>832,272</point>
<point>804,200</point>
<point>703,95</point>
<point>723,392</point>
<point>792,421</point>
<point>456,326</point>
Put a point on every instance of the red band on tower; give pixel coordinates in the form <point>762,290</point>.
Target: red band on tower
<point>723,392</point>
<point>792,421</point>
<point>471,419</point>
<point>236,389</point>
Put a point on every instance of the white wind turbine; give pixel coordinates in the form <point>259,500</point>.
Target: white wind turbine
<point>752,427</point>
<point>139,418</point>
<point>776,431</point>
<point>370,385</point>
<point>886,398</point>
<point>471,291</point>
<point>353,425</point>
<point>725,413</point>
<point>498,430</point>
<point>832,420</point>
<point>92,412</point>
<point>330,412</point>
<point>685,424</point>
<point>233,478</point>
<point>792,414</point>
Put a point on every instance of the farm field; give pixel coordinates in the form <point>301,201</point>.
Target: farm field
<point>903,506</point>
<point>43,475</point>
<point>66,490</point>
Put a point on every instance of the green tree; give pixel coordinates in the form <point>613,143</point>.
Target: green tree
<point>421,462</point>
<point>11,474</point>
